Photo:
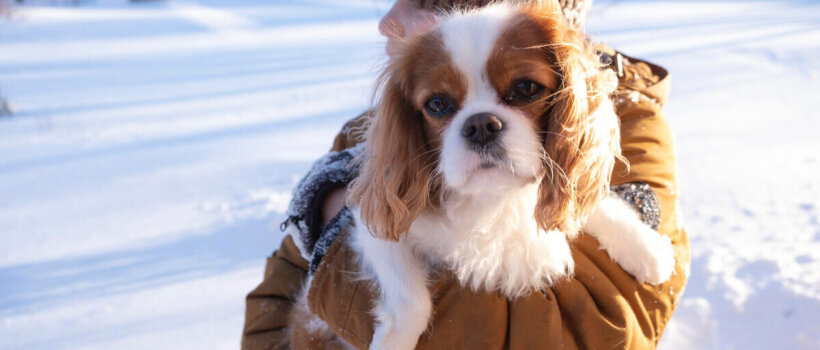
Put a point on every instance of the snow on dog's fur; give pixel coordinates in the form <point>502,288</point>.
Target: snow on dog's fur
<point>492,145</point>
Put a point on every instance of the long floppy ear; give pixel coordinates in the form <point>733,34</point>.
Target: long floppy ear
<point>582,139</point>
<point>395,179</point>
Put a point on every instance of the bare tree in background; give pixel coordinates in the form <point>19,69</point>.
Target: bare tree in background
<point>5,11</point>
<point>5,109</point>
<point>5,8</point>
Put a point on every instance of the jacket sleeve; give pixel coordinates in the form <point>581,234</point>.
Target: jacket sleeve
<point>267,307</point>
<point>600,307</point>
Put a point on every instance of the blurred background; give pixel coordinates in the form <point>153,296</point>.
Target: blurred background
<point>148,150</point>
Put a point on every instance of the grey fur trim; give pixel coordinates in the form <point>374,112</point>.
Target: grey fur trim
<point>331,171</point>
<point>328,235</point>
<point>575,11</point>
<point>643,199</point>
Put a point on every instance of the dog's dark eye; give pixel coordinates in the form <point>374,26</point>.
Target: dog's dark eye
<point>440,106</point>
<point>524,91</point>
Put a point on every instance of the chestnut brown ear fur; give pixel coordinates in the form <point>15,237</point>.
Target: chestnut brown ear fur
<point>582,137</point>
<point>396,177</point>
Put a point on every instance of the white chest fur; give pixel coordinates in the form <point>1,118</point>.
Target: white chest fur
<point>492,242</point>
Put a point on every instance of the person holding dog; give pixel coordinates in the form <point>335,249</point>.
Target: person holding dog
<point>600,307</point>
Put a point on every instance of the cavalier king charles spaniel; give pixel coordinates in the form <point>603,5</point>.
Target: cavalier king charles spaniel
<point>492,145</point>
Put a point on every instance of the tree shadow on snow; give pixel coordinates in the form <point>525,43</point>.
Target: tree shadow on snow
<point>232,246</point>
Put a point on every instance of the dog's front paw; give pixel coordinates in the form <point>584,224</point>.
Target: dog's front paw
<point>387,336</point>
<point>383,333</point>
<point>401,330</point>
<point>658,262</point>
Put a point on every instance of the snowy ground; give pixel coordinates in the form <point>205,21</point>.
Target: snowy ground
<point>153,148</point>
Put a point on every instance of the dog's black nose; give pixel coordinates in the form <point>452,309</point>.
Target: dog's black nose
<point>482,128</point>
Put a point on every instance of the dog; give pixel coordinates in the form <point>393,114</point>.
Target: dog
<point>492,145</point>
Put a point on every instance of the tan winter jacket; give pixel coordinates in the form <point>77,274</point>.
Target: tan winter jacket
<point>600,307</point>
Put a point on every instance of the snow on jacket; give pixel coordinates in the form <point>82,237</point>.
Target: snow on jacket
<point>600,307</point>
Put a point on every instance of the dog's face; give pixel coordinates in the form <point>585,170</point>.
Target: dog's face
<point>489,101</point>
<point>484,103</point>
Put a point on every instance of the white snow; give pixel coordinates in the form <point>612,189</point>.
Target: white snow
<point>154,146</point>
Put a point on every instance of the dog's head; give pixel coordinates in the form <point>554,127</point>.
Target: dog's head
<point>490,100</point>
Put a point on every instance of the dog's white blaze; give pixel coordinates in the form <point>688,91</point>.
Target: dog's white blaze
<point>470,40</point>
